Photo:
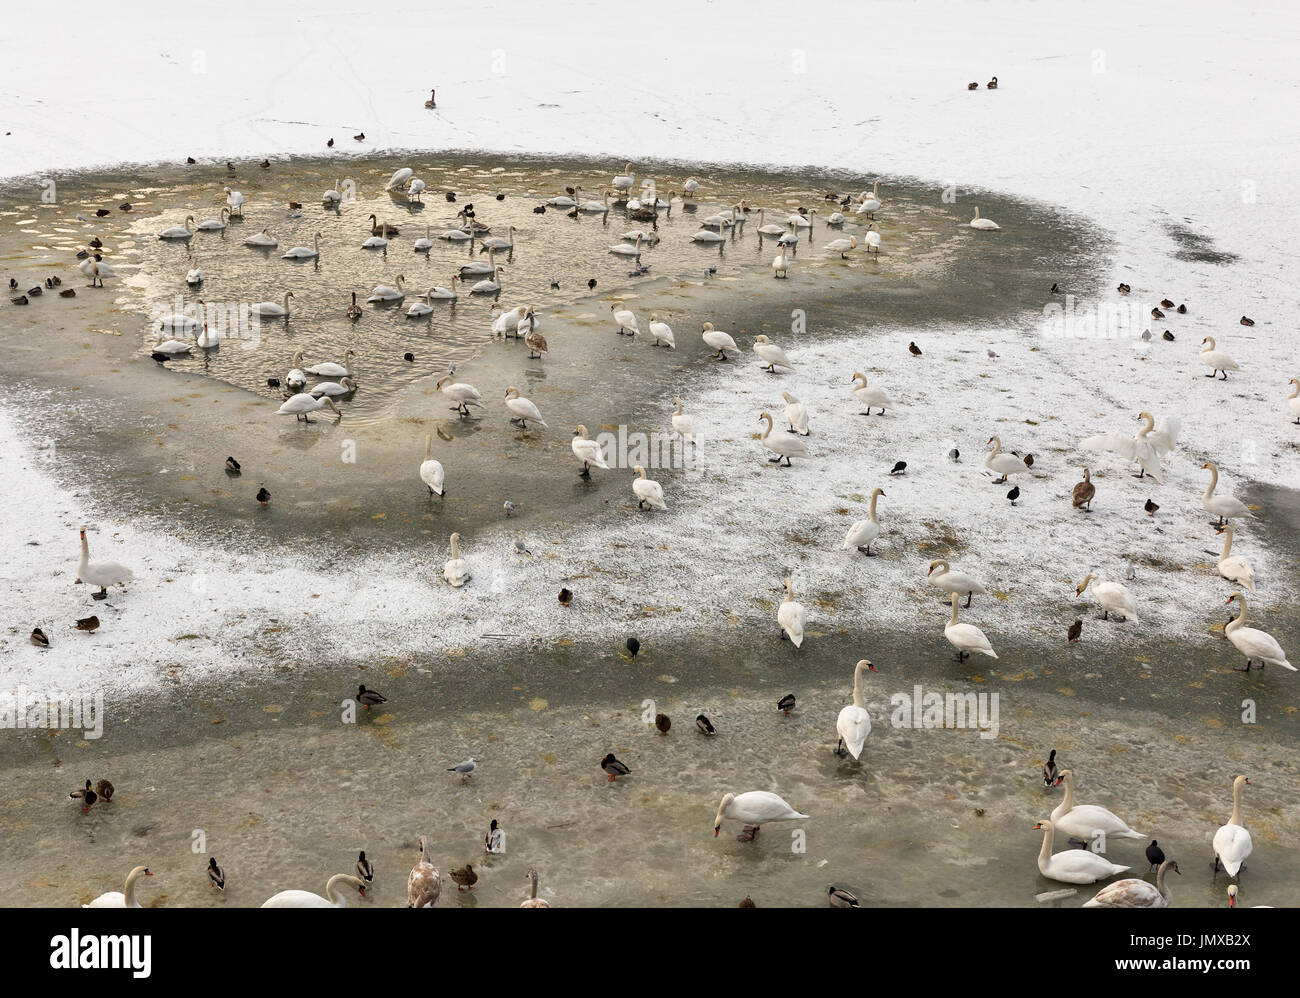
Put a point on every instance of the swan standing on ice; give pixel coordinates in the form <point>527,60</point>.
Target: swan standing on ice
<point>648,492</point>
<point>1133,893</point>
<point>1113,597</point>
<point>125,898</point>
<point>1252,643</point>
<point>1004,464</point>
<point>781,264</point>
<point>661,332</point>
<point>302,405</point>
<point>796,415</point>
<point>854,723</point>
<point>954,582</point>
<point>431,472</point>
<point>624,181</point>
<point>626,320</point>
<point>334,896</point>
<point>1216,360</point>
<point>1085,820</point>
<point>456,571</point>
<point>790,616</point>
<point>1146,447</point>
<point>1232,842</point>
<point>869,396</point>
<point>966,638</point>
<point>589,451</point>
<point>983,223</point>
<point>177,231</point>
<point>717,340</point>
<point>843,246</point>
<point>424,885</point>
<point>523,409</point>
<point>1074,866</point>
<point>100,573</point>
<point>1221,506</point>
<point>235,201</point>
<point>784,445</point>
<point>464,395</point>
<point>755,807</point>
<point>771,354</point>
<point>1234,567</point>
<point>682,423</point>
<point>863,532</point>
<point>304,252</point>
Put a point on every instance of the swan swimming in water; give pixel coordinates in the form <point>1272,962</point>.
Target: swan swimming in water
<point>1073,866</point>
<point>177,231</point>
<point>332,370</point>
<point>1085,820</point>
<point>304,252</point>
<point>985,223</point>
<point>1134,893</point>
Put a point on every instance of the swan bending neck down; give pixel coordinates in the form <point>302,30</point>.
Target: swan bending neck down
<point>854,723</point>
<point>1087,820</point>
<point>1252,642</point>
<point>1134,893</point>
<point>124,899</point>
<point>754,807</point>
<point>334,897</point>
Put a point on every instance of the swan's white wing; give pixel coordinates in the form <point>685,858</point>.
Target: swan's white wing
<point>1165,435</point>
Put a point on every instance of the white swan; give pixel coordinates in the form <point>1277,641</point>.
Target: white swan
<point>1146,447</point>
<point>648,492</point>
<point>439,293</point>
<point>490,285</point>
<point>661,332</point>
<point>771,354</point>
<point>588,451</point>
<point>796,415</point>
<point>424,243</point>
<point>302,405</point>
<point>1003,464</point>
<point>331,370</point>
<point>1234,567</point>
<point>966,638</point>
<point>983,223</point>
<point>781,264</point>
<point>708,236</point>
<point>1086,820</point>
<point>954,582</point>
<point>1133,893</point>
<point>399,179</point>
<point>869,204</point>
<point>415,190</point>
<point>464,395</point>
<point>304,252</point>
<point>100,573</point>
<point>801,221</point>
<point>235,201</point>
<point>1293,400</point>
<point>375,242</point>
<point>1074,866</point>
<point>843,246</point>
<point>690,187</point>
<point>854,723</point>
<point>863,532</point>
<point>1216,360</point>
<point>682,423</point>
<point>296,379</point>
<point>1221,506</point>
<point>869,396</point>
<point>214,224</point>
<point>626,179</point>
<point>717,340</point>
<point>1113,597</point>
<point>177,231</point>
<point>458,236</point>
<point>627,249</point>
<point>172,347</point>
<point>476,267</point>
<point>770,228</point>
<point>498,242</point>
<point>195,274</point>
<point>595,207</point>
<point>96,269</point>
<point>387,292</point>
<point>344,386</point>
<point>333,196</point>
<point>418,310</point>
<point>790,616</point>
<point>626,320</point>
<point>306,899</point>
<point>523,409</point>
<point>1253,643</point>
<point>262,239</point>
<point>1232,842</point>
<point>207,339</point>
<point>783,444</point>
<point>456,571</point>
<point>125,898</point>
<point>754,807</point>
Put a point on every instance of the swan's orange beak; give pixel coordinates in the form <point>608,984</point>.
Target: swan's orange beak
<point>1219,530</point>
<point>1232,901</point>
<point>716,829</point>
<point>1229,600</point>
<point>931,572</point>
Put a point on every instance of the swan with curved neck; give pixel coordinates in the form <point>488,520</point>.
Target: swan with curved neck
<point>1074,866</point>
<point>1221,506</point>
<point>854,723</point>
<point>784,445</point>
<point>863,532</point>
<point>1232,842</point>
<point>1234,567</point>
<point>966,638</point>
<point>790,616</point>
<point>941,575</point>
<point>1145,447</point>
<point>1113,597</point>
<point>869,396</point>
<point>682,423</point>
<point>304,252</point>
<point>456,571</point>
<point>754,807</point>
<point>1004,464</point>
<point>334,896</point>
<point>1216,360</point>
<point>1134,893</point>
<point>125,898</point>
<point>1255,644</point>
<point>1086,820</point>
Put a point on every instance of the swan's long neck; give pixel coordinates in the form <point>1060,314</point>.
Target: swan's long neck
<point>1227,542</point>
<point>1236,797</point>
<point>1068,804</point>
<point>1160,881</point>
<point>1214,481</point>
<point>428,448</point>
<point>789,593</point>
<point>455,550</point>
<point>1045,853</point>
<point>85,555</point>
<point>128,890</point>
<point>872,512</point>
<point>857,686</point>
<point>768,429</point>
<point>997,444</point>
<point>952,621</point>
<point>679,407</point>
<point>532,876</point>
<point>335,884</point>
<point>1295,392</point>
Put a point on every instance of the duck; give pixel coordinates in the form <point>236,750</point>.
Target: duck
<point>661,333</point>
<point>1086,820</point>
<point>86,796</point>
<point>613,768</point>
<point>38,638</point>
<point>782,444</point>
<point>523,409</point>
<point>1253,643</point>
<point>1134,893</point>
<point>983,223</point>
<point>465,877</point>
<point>431,472</point>
<point>941,575</point>
<point>649,493</point>
<point>786,704</point>
<point>495,839</point>
<point>1004,464</point>
<point>533,901</point>
<point>100,573</point>
<point>863,532</point>
<point>216,875</point>
<point>334,897</point>
<point>1232,843</point>
<point>1073,632</point>
<point>790,615</point>
<point>365,868</point>
<point>303,404</point>
<point>304,252</point>
<point>796,415</point>
<point>214,224</point>
<point>588,451</point>
<point>89,624</point>
<point>663,723</point>
<point>177,231</point>
<point>1113,597</point>
<point>626,319</point>
<point>464,395</point>
<point>771,354</point>
<point>966,638</point>
<point>972,86</point>
<point>1150,508</point>
<point>754,807</point>
<point>263,497</point>
<point>1074,866</point>
<point>854,723</point>
<point>840,898</point>
<point>1050,772</point>
<point>353,311</point>
<point>717,340</point>
<point>704,726</point>
<point>1222,506</point>
<point>1216,360</point>
<point>1234,567</point>
<point>869,396</point>
<point>125,898</point>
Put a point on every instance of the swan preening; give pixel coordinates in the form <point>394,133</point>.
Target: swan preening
<point>100,573</point>
<point>854,723</point>
<point>1073,866</point>
<point>1256,645</point>
<point>1113,597</point>
<point>790,616</point>
<point>1088,821</point>
<point>334,896</point>
<point>755,807</point>
<point>954,582</point>
<point>796,414</point>
<point>863,532</point>
<point>966,638</point>
<point>1133,893</point>
<point>125,898</point>
<point>1146,447</point>
<point>1232,842</point>
<point>1222,506</point>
